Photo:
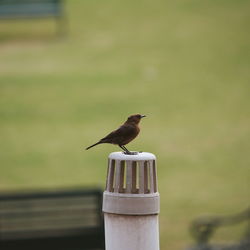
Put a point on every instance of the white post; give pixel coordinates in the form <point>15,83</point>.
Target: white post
<point>131,203</point>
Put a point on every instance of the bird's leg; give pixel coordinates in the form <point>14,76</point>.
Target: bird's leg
<point>128,152</point>
<point>121,147</point>
<point>125,151</point>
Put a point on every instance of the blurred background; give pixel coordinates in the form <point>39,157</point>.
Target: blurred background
<point>184,64</point>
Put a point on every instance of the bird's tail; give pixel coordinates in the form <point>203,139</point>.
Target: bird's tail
<point>93,145</point>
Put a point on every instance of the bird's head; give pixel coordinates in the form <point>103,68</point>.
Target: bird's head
<point>135,118</point>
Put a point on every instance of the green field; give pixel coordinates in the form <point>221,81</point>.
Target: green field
<point>185,64</point>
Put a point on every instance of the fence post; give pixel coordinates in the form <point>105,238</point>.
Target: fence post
<point>131,202</point>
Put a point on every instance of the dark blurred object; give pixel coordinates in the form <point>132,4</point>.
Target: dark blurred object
<point>10,9</point>
<point>202,230</point>
<point>59,220</point>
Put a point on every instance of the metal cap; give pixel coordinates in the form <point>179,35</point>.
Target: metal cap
<point>131,186</point>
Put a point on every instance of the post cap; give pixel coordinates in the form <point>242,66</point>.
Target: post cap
<point>131,186</point>
<point>140,156</point>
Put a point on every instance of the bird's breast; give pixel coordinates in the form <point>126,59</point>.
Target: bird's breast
<point>131,136</point>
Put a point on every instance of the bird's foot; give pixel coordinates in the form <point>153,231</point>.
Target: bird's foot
<point>130,153</point>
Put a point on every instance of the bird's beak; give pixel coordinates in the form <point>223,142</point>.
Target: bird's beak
<point>143,116</point>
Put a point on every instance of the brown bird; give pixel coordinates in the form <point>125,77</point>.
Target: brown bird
<point>124,134</point>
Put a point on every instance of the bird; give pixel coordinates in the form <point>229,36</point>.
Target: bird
<point>124,134</point>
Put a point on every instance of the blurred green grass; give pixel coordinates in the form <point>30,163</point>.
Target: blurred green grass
<point>185,64</point>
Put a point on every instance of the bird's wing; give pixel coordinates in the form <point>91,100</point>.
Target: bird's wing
<point>119,134</point>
